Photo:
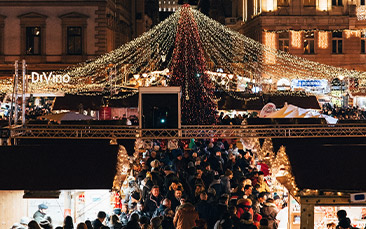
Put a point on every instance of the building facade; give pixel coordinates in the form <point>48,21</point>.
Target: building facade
<point>52,35</point>
<point>327,31</point>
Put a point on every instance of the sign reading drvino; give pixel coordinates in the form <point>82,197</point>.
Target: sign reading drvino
<point>49,78</point>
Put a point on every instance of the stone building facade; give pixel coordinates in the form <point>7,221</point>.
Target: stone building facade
<point>331,32</point>
<point>52,35</point>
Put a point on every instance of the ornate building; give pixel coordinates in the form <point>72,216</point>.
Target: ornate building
<point>332,32</point>
<point>52,35</point>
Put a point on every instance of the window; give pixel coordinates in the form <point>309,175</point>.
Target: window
<point>337,2</point>
<point>363,42</point>
<point>362,2</point>
<point>74,40</point>
<point>74,27</point>
<point>309,42</point>
<point>33,40</point>
<point>337,42</point>
<point>309,3</point>
<point>282,3</point>
<point>284,41</point>
<point>32,36</point>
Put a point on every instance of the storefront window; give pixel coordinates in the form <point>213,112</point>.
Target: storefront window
<point>327,215</point>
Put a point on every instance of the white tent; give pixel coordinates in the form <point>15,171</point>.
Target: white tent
<point>291,111</point>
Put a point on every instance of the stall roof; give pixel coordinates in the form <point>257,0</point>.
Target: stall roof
<point>328,164</point>
<point>57,167</point>
<point>229,102</point>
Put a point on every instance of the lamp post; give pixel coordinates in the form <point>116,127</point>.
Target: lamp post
<point>343,84</point>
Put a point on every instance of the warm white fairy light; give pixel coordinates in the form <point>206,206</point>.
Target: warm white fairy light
<point>352,33</point>
<point>270,41</point>
<point>296,39</point>
<point>361,12</point>
<point>323,39</point>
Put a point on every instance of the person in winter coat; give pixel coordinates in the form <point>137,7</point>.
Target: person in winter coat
<point>203,207</point>
<point>269,212</point>
<point>185,217</point>
<point>247,221</point>
<point>244,205</point>
<point>225,182</point>
<point>153,200</point>
<point>115,223</point>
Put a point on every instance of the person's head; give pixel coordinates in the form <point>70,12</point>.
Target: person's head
<point>178,194</point>
<point>81,226</point>
<point>24,221</point>
<point>203,196</point>
<point>101,216</point>
<point>114,219</point>
<point>232,210</point>
<point>42,208</point>
<point>124,208</point>
<point>168,213</point>
<point>344,223</point>
<point>247,155</point>
<point>261,197</point>
<point>248,189</point>
<point>229,174</point>
<point>117,211</point>
<point>88,224</point>
<point>182,200</point>
<point>167,203</point>
<point>155,191</point>
<point>153,154</point>
<point>33,225</point>
<point>140,206</point>
<point>68,221</point>
<point>155,222</point>
<point>134,217</point>
<point>341,214</point>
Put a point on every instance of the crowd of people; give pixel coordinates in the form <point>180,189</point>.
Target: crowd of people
<point>194,184</point>
<point>344,113</point>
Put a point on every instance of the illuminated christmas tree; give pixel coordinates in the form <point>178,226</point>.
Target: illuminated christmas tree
<point>188,69</point>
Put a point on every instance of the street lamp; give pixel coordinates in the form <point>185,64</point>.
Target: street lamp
<point>343,84</point>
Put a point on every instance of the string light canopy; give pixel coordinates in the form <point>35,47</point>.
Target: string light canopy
<point>132,65</point>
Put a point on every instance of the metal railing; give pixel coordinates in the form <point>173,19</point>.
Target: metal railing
<point>187,132</point>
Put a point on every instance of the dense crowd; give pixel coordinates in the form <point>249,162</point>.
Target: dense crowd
<point>195,184</point>
<point>344,113</point>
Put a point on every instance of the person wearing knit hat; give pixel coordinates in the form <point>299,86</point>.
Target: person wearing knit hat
<point>40,215</point>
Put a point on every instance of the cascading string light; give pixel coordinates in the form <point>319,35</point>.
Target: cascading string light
<point>236,54</point>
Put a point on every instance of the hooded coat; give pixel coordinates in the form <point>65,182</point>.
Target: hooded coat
<point>185,217</point>
<point>269,212</point>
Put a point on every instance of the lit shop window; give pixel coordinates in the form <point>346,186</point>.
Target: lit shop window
<point>309,42</point>
<point>33,40</point>
<point>363,42</point>
<point>284,41</point>
<point>337,42</point>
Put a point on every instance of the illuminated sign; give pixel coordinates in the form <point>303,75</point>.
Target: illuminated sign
<point>308,83</point>
<point>49,78</point>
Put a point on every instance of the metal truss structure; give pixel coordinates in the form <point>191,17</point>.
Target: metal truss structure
<point>188,132</point>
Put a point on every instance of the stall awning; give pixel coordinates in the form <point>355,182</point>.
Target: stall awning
<point>57,167</point>
<point>240,101</point>
<point>74,102</point>
<point>336,164</point>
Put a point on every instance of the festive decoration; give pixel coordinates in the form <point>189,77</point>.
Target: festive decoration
<point>142,61</point>
<point>281,167</point>
<point>122,168</point>
<point>361,12</point>
<point>322,39</point>
<point>266,153</point>
<point>188,69</point>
